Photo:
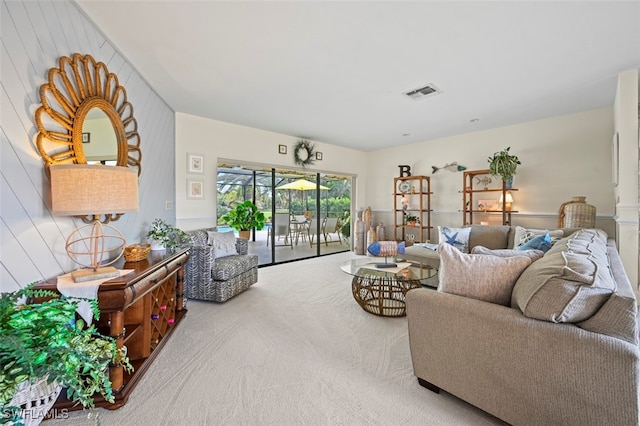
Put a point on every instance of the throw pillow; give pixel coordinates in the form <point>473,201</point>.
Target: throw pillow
<point>223,243</point>
<point>523,235</point>
<point>531,254</point>
<point>479,276</point>
<point>566,285</point>
<point>540,242</point>
<point>457,237</point>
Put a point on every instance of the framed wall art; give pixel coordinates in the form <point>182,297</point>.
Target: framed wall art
<point>282,149</point>
<point>86,137</point>
<point>195,163</point>
<point>488,205</point>
<point>195,189</point>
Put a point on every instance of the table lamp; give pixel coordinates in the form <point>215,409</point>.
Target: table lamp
<point>93,190</point>
<point>507,202</point>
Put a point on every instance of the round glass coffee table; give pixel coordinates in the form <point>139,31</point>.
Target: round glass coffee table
<point>381,291</point>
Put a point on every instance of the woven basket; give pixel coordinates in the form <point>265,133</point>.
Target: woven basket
<point>577,214</point>
<point>136,252</point>
<point>35,399</point>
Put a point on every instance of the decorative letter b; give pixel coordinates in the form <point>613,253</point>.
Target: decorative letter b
<point>405,170</point>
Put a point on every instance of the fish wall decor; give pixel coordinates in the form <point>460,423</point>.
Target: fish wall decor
<point>452,167</point>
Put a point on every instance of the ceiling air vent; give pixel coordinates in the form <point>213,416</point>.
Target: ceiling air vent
<point>423,92</point>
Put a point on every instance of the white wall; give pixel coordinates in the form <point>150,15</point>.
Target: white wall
<point>218,140</point>
<point>34,35</point>
<point>626,193</point>
<point>561,157</point>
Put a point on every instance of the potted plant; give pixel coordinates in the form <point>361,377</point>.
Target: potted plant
<point>504,165</point>
<point>164,236</point>
<point>45,342</point>
<point>244,217</point>
<point>411,220</point>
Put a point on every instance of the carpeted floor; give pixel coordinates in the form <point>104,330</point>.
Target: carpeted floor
<point>294,349</point>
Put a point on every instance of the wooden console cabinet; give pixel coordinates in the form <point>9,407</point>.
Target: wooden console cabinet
<point>140,310</point>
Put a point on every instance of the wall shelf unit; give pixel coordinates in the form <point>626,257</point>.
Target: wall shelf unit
<point>416,190</point>
<point>481,195</point>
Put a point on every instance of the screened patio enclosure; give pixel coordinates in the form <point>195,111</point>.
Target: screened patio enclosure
<point>296,218</point>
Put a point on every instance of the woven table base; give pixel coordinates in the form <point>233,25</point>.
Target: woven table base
<point>381,295</point>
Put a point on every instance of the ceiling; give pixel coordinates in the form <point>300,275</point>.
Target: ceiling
<point>336,71</point>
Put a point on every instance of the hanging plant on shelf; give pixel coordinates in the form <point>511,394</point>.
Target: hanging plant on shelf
<point>304,153</point>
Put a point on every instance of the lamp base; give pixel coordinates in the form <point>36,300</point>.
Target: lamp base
<point>82,275</point>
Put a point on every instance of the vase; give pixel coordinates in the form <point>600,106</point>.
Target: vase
<point>244,234</point>
<point>371,237</point>
<point>157,245</point>
<point>508,184</point>
<point>380,232</point>
<point>577,214</point>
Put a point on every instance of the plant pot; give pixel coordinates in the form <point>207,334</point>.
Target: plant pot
<point>38,397</point>
<point>244,234</point>
<point>157,245</point>
<point>509,183</point>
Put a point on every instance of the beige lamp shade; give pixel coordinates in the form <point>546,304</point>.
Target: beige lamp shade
<point>508,200</point>
<point>89,189</point>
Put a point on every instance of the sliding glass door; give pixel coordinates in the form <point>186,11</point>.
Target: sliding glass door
<point>307,213</point>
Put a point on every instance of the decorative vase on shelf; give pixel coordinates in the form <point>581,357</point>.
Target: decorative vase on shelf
<point>157,245</point>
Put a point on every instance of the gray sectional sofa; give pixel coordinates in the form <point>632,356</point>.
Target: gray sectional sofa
<point>564,351</point>
<point>489,236</point>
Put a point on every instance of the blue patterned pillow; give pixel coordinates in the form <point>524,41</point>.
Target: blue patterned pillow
<point>457,237</point>
<point>539,242</point>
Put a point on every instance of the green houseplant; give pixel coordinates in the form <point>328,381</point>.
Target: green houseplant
<point>165,235</point>
<point>504,165</point>
<point>46,340</point>
<point>411,220</point>
<point>244,217</point>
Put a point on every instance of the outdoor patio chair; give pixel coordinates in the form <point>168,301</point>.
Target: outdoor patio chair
<point>281,228</point>
<point>312,230</point>
<point>331,231</point>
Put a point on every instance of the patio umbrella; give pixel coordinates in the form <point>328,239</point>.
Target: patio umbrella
<point>301,185</point>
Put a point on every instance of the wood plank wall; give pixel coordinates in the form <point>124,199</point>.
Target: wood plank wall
<point>34,35</point>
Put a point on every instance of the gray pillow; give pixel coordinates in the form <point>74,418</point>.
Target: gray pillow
<point>570,283</point>
<point>479,276</point>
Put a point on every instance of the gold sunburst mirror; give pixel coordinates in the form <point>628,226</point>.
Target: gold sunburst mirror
<point>85,117</point>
